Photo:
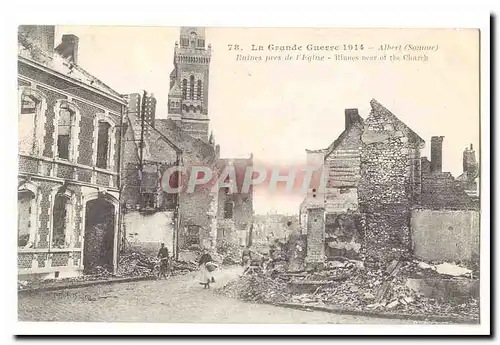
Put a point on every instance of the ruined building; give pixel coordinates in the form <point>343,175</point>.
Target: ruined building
<point>153,145</point>
<point>440,190</point>
<point>69,160</point>
<point>390,182</point>
<point>469,177</point>
<point>151,214</point>
<point>188,108</point>
<point>339,193</point>
<point>235,207</point>
<point>373,181</point>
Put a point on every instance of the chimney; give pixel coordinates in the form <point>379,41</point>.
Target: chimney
<point>469,160</point>
<point>217,150</point>
<point>437,154</point>
<point>351,117</point>
<point>41,35</point>
<point>68,48</point>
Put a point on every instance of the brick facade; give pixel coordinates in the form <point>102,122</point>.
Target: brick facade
<point>46,177</point>
<point>315,236</point>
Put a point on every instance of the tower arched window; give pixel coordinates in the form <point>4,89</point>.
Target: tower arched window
<point>198,90</point>
<point>191,87</point>
<point>184,89</point>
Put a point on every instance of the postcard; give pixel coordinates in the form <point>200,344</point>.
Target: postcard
<point>250,175</point>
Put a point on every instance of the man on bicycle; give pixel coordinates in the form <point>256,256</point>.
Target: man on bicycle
<point>163,256</point>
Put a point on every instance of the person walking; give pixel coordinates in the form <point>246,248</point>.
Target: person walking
<point>207,266</point>
<point>246,258</point>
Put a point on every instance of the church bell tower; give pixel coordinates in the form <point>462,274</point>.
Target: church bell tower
<point>188,95</point>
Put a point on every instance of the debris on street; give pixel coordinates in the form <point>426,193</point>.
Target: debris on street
<point>132,264</point>
<point>230,252</point>
<point>452,270</point>
<point>344,284</point>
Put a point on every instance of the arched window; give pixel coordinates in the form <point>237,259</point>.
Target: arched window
<point>61,221</point>
<point>184,89</point>
<point>27,123</point>
<point>67,134</point>
<point>198,90</point>
<point>191,87</point>
<point>103,145</point>
<point>26,218</point>
<point>32,107</point>
<point>193,38</point>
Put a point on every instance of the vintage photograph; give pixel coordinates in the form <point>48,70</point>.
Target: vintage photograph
<point>249,175</point>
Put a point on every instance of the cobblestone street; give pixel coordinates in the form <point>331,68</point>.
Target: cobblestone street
<point>178,300</point>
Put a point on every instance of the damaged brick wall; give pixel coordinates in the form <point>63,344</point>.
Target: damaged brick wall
<point>387,184</point>
<point>315,235</point>
<point>344,234</point>
<point>235,210</point>
<point>440,190</point>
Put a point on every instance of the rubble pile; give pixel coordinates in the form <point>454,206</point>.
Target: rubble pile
<point>349,285</point>
<point>385,290</point>
<point>139,264</point>
<point>136,264</point>
<point>100,272</point>
<point>230,252</point>
<point>257,288</point>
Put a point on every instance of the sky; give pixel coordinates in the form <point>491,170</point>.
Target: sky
<point>277,109</point>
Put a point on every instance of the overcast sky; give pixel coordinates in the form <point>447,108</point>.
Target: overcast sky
<point>278,109</point>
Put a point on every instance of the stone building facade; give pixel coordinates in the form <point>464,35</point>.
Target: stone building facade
<point>69,160</point>
<point>390,183</point>
<point>392,190</point>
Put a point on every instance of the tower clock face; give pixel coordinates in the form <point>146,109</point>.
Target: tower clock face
<point>193,35</point>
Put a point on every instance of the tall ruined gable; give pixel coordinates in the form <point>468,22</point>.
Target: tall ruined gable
<point>390,175</point>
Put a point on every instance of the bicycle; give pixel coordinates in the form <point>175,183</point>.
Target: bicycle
<point>162,270</point>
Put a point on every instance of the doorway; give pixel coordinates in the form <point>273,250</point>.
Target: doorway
<point>99,235</point>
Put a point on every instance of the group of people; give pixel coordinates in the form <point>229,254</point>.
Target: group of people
<point>205,263</point>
